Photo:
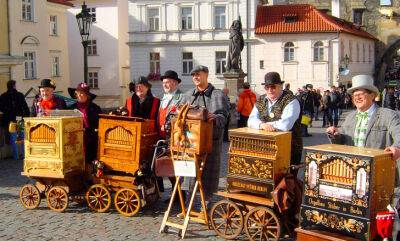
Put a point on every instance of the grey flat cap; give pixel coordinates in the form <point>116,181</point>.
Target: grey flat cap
<point>199,68</point>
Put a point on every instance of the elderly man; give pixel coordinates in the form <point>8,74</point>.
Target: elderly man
<point>278,110</point>
<point>206,95</point>
<point>370,125</point>
<point>169,102</point>
<point>47,101</point>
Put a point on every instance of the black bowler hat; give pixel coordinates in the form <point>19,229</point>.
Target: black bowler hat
<point>47,83</point>
<point>272,78</point>
<point>171,75</point>
<point>144,81</point>
<point>199,68</point>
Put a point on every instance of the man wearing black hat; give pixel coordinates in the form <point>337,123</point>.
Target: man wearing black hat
<point>171,99</point>
<point>278,110</point>
<point>47,100</point>
<point>215,101</point>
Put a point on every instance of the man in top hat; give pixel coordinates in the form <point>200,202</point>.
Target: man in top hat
<point>47,101</point>
<point>215,101</point>
<point>143,104</point>
<point>278,110</point>
<point>91,113</point>
<point>369,125</point>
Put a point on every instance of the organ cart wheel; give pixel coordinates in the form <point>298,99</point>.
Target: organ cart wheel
<point>57,199</point>
<point>29,196</point>
<point>261,223</point>
<point>98,198</point>
<point>227,219</point>
<point>127,202</point>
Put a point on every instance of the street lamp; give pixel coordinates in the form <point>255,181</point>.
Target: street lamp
<point>84,19</point>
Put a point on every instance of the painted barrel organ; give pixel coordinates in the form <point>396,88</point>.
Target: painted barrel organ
<point>345,187</point>
<point>257,160</point>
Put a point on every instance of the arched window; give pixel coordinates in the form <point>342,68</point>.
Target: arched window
<point>288,52</point>
<point>318,51</point>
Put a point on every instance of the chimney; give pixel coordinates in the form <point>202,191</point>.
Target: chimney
<point>336,8</point>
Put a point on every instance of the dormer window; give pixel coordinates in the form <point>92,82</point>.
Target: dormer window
<point>290,18</point>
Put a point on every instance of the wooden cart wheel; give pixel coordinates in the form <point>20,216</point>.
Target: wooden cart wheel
<point>227,219</point>
<point>57,199</point>
<point>29,196</point>
<point>127,202</point>
<point>261,223</point>
<point>98,198</point>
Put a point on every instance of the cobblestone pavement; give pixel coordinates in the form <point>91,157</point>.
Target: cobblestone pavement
<point>79,223</point>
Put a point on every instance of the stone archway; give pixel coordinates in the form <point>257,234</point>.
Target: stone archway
<point>389,67</point>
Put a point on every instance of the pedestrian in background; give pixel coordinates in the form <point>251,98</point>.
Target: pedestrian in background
<point>335,102</point>
<point>246,102</point>
<point>317,103</point>
<point>326,109</point>
<point>390,100</point>
<point>228,121</point>
<point>306,100</point>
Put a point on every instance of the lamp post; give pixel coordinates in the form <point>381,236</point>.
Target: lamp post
<point>84,19</point>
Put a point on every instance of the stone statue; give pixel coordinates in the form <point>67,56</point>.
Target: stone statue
<point>236,44</point>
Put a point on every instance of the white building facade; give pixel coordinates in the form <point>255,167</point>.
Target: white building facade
<point>179,35</point>
<point>317,50</point>
<point>108,52</point>
<point>38,32</point>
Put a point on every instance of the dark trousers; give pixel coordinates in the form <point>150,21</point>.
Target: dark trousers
<point>242,122</point>
<point>226,133</point>
<point>327,118</point>
<point>335,115</point>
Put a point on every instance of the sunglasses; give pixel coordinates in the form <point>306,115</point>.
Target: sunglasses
<point>270,87</point>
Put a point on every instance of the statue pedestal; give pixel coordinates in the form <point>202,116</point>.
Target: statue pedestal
<point>234,82</point>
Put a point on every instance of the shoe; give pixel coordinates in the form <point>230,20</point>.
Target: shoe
<point>307,135</point>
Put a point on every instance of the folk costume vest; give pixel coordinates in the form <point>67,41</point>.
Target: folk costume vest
<point>276,113</point>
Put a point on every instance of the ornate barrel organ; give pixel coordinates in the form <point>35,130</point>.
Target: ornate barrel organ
<point>53,146</point>
<point>345,187</point>
<point>125,143</point>
<point>257,160</point>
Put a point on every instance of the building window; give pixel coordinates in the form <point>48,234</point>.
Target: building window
<point>187,61</point>
<point>93,79</point>
<point>155,63</point>
<point>153,19</point>
<point>370,53</point>
<point>219,17</point>
<point>220,62</point>
<point>186,15</point>
<point>358,52</point>
<point>53,25</point>
<point>385,2</point>
<point>288,52</point>
<point>341,49</point>
<point>261,64</point>
<point>92,11</point>
<point>92,47</point>
<point>358,16</point>
<point>363,53</point>
<point>350,51</point>
<point>55,66</point>
<point>318,51</point>
<point>30,65</point>
<point>27,10</point>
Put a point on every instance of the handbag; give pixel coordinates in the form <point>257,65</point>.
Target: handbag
<point>305,120</point>
<point>164,167</point>
<point>195,112</point>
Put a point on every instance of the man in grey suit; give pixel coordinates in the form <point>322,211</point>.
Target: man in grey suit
<point>370,125</point>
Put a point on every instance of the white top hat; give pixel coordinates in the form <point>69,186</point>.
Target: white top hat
<point>363,81</point>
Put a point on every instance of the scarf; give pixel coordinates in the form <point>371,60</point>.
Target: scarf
<point>47,104</point>
<point>83,107</point>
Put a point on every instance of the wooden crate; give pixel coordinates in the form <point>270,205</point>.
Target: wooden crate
<point>53,146</point>
<point>257,160</point>
<point>198,137</point>
<point>345,187</point>
<point>125,143</point>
